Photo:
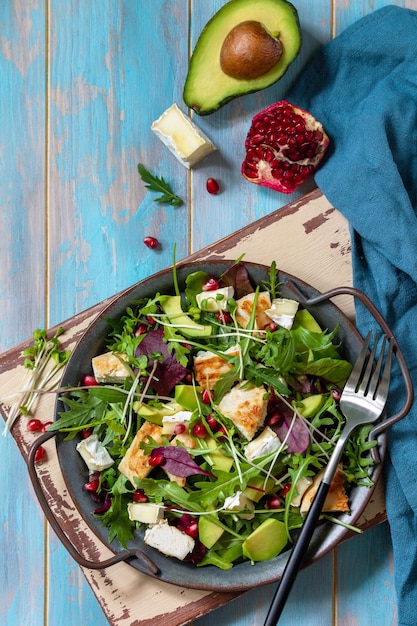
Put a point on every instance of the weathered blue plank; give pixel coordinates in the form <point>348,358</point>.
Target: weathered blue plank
<point>22,287</point>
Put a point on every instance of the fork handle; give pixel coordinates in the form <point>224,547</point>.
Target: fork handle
<point>297,556</point>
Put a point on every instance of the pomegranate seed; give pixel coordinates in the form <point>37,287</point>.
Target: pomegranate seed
<point>285,489</point>
<point>34,425</point>
<point>212,186</point>
<point>40,454</point>
<point>45,426</point>
<point>212,423</point>
<point>273,502</point>
<point>224,317</point>
<point>151,320</point>
<point>272,327</point>
<point>211,284</point>
<point>141,330</point>
<point>199,430</point>
<point>179,429</point>
<point>92,485</point>
<point>192,530</point>
<point>140,496</point>
<point>151,242</point>
<point>274,419</point>
<point>89,381</point>
<point>86,432</point>
<point>207,396</point>
<point>156,459</point>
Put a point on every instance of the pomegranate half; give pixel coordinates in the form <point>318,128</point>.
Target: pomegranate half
<point>284,147</point>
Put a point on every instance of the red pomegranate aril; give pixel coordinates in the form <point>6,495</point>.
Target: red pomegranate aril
<point>140,496</point>
<point>151,320</point>
<point>224,317</point>
<point>207,396</point>
<point>141,330</point>
<point>45,426</point>
<point>282,138</point>
<point>151,242</point>
<point>156,459</point>
<point>89,381</point>
<point>285,489</point>
<point>212,186</point>
<point>34,425</point>
<point>179,429</point>
<point>192,530</point>
<point>273,502</point>
<point>92,485</point>
<point>86,432</point>
<point>199,430</point>
<point>274,419</point>
<point>210,285</point>
<point>40,454</point>
<point>212,423</point>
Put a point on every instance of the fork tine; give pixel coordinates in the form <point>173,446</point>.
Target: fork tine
<point>383,387</point>
<point>368,376</point>
<point>356,372</point>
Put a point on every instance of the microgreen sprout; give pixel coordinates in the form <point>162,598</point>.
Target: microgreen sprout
<point>42,360</point>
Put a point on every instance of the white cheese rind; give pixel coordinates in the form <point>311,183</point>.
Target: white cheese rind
<point>264,444</point>
<point>283,311</point>
<point>182,137</point>
<point>169,540</point>
<point>169,422</point>
<point>94,454</point>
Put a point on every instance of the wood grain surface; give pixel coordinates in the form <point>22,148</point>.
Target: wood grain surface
<point>81,82</point>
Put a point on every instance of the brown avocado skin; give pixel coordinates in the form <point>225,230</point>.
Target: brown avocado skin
<point>207,87</point>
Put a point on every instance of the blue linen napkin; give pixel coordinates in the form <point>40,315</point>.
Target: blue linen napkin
<point>363,87</point>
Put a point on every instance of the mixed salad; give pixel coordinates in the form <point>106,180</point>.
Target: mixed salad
<point>208,419</point>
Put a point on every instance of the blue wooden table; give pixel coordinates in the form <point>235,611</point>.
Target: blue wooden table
<point>81,82</point>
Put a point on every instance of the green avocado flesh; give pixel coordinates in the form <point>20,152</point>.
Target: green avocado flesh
<point>207,87</point>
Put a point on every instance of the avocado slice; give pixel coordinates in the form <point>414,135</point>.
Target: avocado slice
<point>209,532</point>
<point>189,327</point>
<point>229,59</point>
<point>306,320</point>
<point>266,542</point>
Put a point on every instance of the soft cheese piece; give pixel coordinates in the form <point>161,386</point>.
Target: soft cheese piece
<point>240,502</point>
<point>94,454</point>
<point>135,462</point>
<point>215,300</point>
<point>283,311</point>
<point>169,422</point>
<point>109,368</point>
<point>182,137</point>
<point>145,512</point>
<point>264,444</point>
<point>169,540</point>
<point>245,305</point>
<point>209,367</point>
<point>246,408</point>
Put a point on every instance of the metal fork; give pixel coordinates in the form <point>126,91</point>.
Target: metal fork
<point>362,402</point>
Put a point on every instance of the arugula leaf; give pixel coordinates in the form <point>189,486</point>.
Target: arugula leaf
<point>117,520</point>
<point>158,184</point>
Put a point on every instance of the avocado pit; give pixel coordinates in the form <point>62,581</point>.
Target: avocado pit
<point>249,51</point>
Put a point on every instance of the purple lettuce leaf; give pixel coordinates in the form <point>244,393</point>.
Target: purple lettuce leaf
<point>178,461</point>
<point>168,372</point>
<point>293,430</point>
<point>238,278</point>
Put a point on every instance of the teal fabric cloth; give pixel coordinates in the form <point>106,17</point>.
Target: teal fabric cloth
<point>363,87</point>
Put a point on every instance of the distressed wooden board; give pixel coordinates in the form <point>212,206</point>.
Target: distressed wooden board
<point>309,223</point>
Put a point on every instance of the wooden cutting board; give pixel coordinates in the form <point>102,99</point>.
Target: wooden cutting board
<point>307,238</point>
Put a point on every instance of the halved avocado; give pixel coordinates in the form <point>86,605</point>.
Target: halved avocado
<point>245,47</point>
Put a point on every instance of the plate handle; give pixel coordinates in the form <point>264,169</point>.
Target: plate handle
<point>146,562</point>
<point>408,384</point>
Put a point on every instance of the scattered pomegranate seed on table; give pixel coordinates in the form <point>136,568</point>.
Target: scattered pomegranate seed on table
<point>34,425</point>
<point>212,186</point>
<point>151,242</point>
<point>40,454</point>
